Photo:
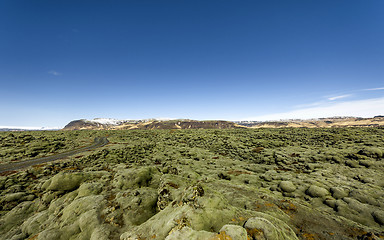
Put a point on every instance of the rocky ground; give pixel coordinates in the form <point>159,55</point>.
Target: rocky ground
<point>205,184</point>
<point>25,145</point>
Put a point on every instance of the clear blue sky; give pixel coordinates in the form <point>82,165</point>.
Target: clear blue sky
<point>66,60</point>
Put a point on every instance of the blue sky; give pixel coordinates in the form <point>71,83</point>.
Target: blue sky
<point>233,60</point>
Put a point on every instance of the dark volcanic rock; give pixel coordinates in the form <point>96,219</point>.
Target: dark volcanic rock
<point>80,124</point>
<point>191,124</point>
<point>171,124</point>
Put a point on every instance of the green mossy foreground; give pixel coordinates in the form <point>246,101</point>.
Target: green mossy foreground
<point>15,146</point>
<point>202,184</point>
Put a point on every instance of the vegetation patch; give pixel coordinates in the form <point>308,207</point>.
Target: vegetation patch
<point>288,183</point>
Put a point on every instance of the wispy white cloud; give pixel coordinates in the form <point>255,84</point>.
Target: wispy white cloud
<point>326,100</point>
<point>307,105</point>
<point>374,89</point>
<point>53,72</point>
<point>339,97</point>
<point>357,108</point>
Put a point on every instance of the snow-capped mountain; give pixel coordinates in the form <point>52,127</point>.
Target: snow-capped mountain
<point>163,123</point>
<point>112,121</point>
<point>107,121</point>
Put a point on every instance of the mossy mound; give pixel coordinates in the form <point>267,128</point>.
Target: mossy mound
<point>205,184</point>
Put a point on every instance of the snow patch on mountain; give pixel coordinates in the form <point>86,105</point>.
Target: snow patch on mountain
<point>115,122</point>
<point>108,121</point>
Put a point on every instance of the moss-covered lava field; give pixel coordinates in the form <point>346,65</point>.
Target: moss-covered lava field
<point>291,183</point>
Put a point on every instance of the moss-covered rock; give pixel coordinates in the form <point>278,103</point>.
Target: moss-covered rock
<point>66,181</point>
<point>13,197</point>
<point>15,217</point>
<point>36,223</point>
<point>206,212</point>
<point>378,215</point>
<point>101,232</point>
<point>189,233</point>
<point>234,231</point>
<point>79,206</point>
<point>137,205</point>
<point>316,191</point>
<point>338,192</point>
<point>160,184</point>
<point>133,178</point>
<point>268,228</point>
<point>87,189</point>
<point>287,186</point>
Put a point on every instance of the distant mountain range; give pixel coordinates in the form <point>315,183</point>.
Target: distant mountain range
<point>332,122</point>
<point>107,123</point>
<point>115,124</point>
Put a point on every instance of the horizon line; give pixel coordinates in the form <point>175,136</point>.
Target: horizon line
<point>243,120</point>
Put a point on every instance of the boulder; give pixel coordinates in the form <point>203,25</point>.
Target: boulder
<point>35,223</point>
<point>287,186</point>
<point>203,213</point>
<point>234,231</point>
<point>16,216</point>
<point>66,181</point>
<point>133,178</point>
<point>267,227</point>
<point>137,205</point>
<point>189,233</point>
<point>87,189</point>
<point>79,206</point>
<point>378,215</point>
<point>13,197</point>
<point>316,191</point>
<point>261,228</point>
<point>338,192</point>
<point>102,232</point>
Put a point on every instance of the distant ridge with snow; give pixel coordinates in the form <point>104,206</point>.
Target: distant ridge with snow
<point>164,123</point>
<point>107,121</point>
<point>114,124</point>
<point>110,123</point>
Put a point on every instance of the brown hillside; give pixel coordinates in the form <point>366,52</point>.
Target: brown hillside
<point>319,123</point>
<point>172,124</point>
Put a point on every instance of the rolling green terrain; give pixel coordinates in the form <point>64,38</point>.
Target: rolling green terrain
<point>290,183</point>
<point>24,145</point>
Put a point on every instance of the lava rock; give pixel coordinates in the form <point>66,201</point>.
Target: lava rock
<point>338,192</point>
<point>287,186</point>
<point>269,229</point>
<point>378,215</point>
<point>234,231</point>
<point>189,233</point>
<point>66,181</point>
<point>316,191</point>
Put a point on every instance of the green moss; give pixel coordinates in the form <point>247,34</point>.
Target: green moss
<point>158,183</point>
